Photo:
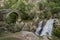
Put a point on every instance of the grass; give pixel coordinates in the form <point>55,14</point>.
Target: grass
<point>6,36</point>
<point>9,38</point>
<point>55,38</point>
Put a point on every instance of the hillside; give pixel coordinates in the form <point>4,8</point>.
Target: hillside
<point>20,19</point>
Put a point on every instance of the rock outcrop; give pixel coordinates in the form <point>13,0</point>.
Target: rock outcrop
<point>24,35</point>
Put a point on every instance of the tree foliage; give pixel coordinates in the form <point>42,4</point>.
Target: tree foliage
<point>9,3</point>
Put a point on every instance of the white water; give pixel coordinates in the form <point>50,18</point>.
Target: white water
<point>39,28</point>
<point>48,28</point>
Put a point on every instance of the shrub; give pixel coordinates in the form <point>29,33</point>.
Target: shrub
<point>45,15</point>
<point>41,6</point>
<point>18,28</point>
<point>1,8</point>
<point>13,28</point>
<point>1,29</point>
<point>24,8</point>
<point>9,3</point>
<point>53,1</point>
<point>52,6</point>
<point>26,16</point>
<point>58,15</point>
<point>57,32</point>
<point>9,38</point>
<point>55,8</point>
<point>1,17</point>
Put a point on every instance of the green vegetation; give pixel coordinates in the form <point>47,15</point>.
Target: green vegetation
<point>9,3</point>
<point>1,29</point>
<point>27,12</point>
<point>50,7</point>
<point>57,32</point>
<point>1,17</point>
<point>13,28</point>
<point>9,38</point>
<point>24,8</point>
<point>55,38</point>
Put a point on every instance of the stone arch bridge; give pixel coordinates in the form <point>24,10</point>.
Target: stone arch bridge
<point>5,13</point>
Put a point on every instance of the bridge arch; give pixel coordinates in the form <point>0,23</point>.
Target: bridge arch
<point>7,12</point>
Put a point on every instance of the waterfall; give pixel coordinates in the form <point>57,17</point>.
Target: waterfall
<point>39,28</point>
<point>47,29</point>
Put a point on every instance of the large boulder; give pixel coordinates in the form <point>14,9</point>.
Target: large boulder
<point>25,35</point>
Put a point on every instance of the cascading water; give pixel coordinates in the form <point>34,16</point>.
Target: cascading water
<point>47,29</point>
<point>39,28</point>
